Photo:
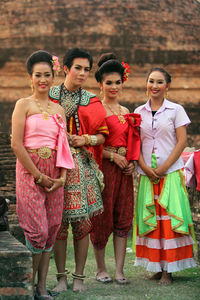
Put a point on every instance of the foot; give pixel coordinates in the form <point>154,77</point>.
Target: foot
<point>120,278</point>
<point>61,286</point>
<point>166,278</point>
<point>156,276</point>
<point>122,281</point>
<point>103,277</point>
<point>78,286</point>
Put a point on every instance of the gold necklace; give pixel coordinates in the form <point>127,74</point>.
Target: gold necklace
<point>45,114</point>
<point>120,116</point>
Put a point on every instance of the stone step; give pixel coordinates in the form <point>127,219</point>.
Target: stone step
<point>5,148</point>
<point>15,269</point>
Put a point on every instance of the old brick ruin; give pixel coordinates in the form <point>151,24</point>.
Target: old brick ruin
<point>142,33</point>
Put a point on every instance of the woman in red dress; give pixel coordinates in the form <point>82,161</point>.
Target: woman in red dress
<point>121,148</point>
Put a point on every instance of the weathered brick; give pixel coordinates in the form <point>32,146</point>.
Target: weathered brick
<point>143,33</point>
<point>15,268</point>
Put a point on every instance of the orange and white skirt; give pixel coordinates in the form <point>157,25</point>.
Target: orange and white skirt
<point>163,249</point>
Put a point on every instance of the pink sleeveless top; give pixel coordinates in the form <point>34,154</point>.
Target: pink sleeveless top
<point>50,133</point>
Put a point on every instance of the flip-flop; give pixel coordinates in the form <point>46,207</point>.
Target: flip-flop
<point>42,297</point>
<point>122,281</point>
<point>106,279</point>
<point>52,293</point>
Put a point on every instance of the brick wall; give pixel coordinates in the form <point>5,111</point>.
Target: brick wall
<point>143,33</point>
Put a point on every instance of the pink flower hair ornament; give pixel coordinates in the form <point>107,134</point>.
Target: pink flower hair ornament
<point>126,71</point>
<point>56,65</point>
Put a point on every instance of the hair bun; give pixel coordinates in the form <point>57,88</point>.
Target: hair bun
<point>105,57</point>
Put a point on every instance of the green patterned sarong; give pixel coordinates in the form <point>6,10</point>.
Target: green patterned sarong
<point>83,188</point>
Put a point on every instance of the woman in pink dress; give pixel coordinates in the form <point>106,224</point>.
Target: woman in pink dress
<point>40,143</point>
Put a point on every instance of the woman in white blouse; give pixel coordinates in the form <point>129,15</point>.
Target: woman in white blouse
<point>164,223</point>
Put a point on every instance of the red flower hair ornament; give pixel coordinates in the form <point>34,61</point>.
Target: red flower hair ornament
<point>126,71</point>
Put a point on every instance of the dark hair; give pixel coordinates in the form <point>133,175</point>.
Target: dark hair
<point>37,57</point>
<point>107,64</point>
<point>73,53</point>
<point>161,70</point>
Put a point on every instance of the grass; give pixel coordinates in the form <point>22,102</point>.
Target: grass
<point>186,284</point>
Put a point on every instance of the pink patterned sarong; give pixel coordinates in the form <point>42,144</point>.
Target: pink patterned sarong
<point>39,212</point>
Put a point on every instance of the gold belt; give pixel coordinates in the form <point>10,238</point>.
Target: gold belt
<point>43,152</point>
<point>75,150</point>
<point>121,150</point>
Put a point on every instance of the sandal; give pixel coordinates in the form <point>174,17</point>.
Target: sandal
<point>106,279</point>
<point>42,297</point>
<point>52,293</point>
<point>122,281</point>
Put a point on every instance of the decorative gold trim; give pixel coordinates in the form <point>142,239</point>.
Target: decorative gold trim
<point>43,152</point>
<point>75,150</point>
<point>121,150</point>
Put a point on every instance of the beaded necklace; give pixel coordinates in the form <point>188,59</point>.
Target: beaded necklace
<point>46,113</point>
<point>120,116</point>
<point>70,101</point>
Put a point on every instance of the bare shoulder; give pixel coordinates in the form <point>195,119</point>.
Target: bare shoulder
<point>23,101</point>
<point>23,104</point>
<point>125,110</point>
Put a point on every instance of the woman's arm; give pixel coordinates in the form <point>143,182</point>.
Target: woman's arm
<point>181,136</point>
<point>18,127</point>
<point>79,141</point>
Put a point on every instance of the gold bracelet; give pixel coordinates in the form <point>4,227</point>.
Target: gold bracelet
<point>87,139</point>
<point>63,181</point>
<point>39,180</point>
<point>111,156</point>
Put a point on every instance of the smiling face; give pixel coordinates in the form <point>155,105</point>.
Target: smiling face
<point>157,85</point>
<point>111,85</point>
<point>42,77</point>
<point>78,72</point>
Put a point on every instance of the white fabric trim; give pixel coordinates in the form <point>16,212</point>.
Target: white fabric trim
<point>163,243</point>
<point>164,265</point>
<point>163,218</point>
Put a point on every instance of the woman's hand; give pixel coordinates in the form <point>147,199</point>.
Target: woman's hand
<point>129,169</point>
<point>161,170</point>
<point>120,160</point>
<point>46,181</point>
<point>77,141</point>
<point>151,174</point>
<point>56,183</point>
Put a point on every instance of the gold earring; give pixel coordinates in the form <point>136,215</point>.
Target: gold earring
<point>147,93</point>
<point>166,93</point>
<point>101,92</point>
<point>32,89</point>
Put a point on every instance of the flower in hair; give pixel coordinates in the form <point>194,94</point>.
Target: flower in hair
<point>56,65</point>
<point>126,71</point>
